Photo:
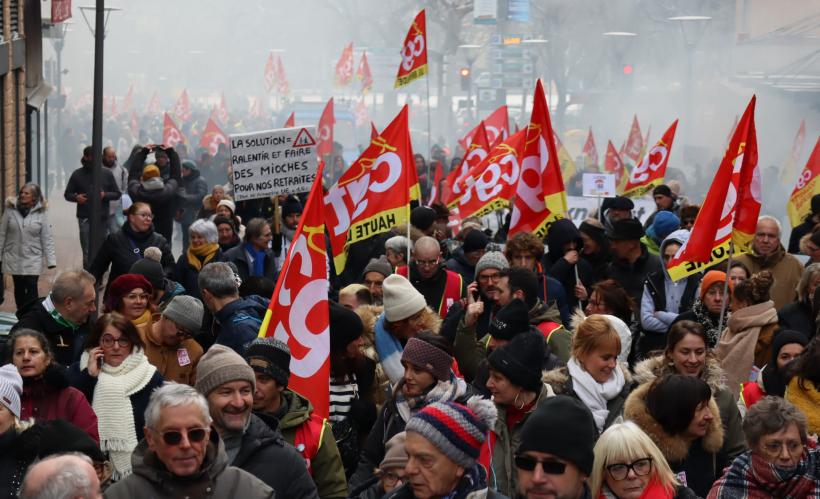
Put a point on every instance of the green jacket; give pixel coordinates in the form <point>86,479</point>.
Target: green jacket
<point>560,341</point>
<point>328,472</point>
<point>507,441</point>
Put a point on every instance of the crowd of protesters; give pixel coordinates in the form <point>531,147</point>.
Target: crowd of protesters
<point>479,366</point>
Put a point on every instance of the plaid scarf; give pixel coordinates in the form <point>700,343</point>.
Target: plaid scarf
<point>751,477</point>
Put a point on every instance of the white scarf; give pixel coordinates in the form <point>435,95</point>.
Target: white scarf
<point>112,404</point>
<point>595,395</point>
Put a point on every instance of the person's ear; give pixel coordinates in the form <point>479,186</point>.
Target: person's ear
<point>150,438</point>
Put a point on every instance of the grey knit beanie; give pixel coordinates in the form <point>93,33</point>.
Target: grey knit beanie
<point>221,365</point>
<point>186,311</point>
<point>491,260</point>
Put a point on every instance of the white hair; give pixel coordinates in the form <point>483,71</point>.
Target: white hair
<point>69,480</point>
<point>206,229</point>
<point>173,394</point>
<point>775,221</point>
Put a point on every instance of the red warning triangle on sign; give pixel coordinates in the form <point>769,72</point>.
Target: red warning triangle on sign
<point>303,139</point>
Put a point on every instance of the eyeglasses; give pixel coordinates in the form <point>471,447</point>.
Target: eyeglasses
<point>174,437</point>
<point>620,471</point>
<point>774,447</point>
<point>550,467</point>
<point>391,479</point>
<point>426,263</point>
<point>108,341</point>
<point>488,277</point>
<point>149,216</point>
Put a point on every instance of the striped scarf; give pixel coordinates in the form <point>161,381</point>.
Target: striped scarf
<point>751,477</point>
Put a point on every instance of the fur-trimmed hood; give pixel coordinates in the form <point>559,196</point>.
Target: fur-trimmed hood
<point>369,314</point>
<point>561,383</point>
<point>11,202</point>
<point>647,370</point>
<point>674,447</point>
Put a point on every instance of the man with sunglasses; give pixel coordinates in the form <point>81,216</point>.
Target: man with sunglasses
<point>181,456</point>
<point>170,346</point>
<point>228,383</point>
<point>554,458</point>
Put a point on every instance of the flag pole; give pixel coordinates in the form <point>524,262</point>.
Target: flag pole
<point>726,287</point>
<point>429,138</point>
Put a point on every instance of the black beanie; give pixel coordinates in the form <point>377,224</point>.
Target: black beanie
<point>58,436</point>
<point>512,319</point>
<point>345,326</point>
<point>563,427</point>
<point>475,240</point>
<point>595,231</point>
<point>663,190</point>
<point>422,217</point>
<point>521,360</point>
<point>291,206</point>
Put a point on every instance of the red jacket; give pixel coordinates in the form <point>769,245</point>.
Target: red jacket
<point>50,397</point>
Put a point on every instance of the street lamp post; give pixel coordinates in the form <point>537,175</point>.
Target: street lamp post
<point>470,55</point>
<point>692,28</point>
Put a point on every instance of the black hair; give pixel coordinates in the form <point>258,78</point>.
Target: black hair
<point>524,280</point>
<point>673,399</point>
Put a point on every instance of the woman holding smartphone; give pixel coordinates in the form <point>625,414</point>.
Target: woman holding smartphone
<point>116,377</point>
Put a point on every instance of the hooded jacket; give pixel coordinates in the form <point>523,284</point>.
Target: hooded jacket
<point>746,342</point>
<point>562,232</point>
<point>193,189</point>
<point>697,463</point>
<point>265,454</point>
<point>125,247</point>
<point>25,241</point>
<point>457,263</point>
<point>785,268</point>
<point>82,182</point>
<point>734,444</point>
<point>239,321</point>
<point>150,478</point>
<point>664,298</point>
<point>633,275</point>
<point>328,472</point>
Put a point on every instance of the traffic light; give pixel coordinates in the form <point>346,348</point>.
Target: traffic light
<point>465,79</point>
<point>628,69</point>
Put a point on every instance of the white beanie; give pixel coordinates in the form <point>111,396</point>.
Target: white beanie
<point>400,298</point>
<point>11,386</point>
<point>623,332</point>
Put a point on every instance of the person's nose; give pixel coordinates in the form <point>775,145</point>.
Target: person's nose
<point>184,443</point>
<point>693,357</point>
<point>93,307</point>
<point>784,453</point>
<point>538,475</point>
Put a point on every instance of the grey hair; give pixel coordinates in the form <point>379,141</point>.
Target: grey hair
<point>173,394</point>
<point>775,221</point>
<point>36,191</point>
<point>254,228</point>
<point>206,229</point>
<point>770,415</point>
<point>219,279</point>
<point>70,284</point>
<point>397,244</point>
<point>70,479</point>
<point>809,274</point>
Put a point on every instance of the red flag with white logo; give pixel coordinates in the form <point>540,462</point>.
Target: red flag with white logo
<point>270,74</point>
<point>652,169</point>
<point>171,135</point>
<point>413,52</point>
<point>364,74</point>
<point>540,196</point>
<point>590,151</point>
<point>344,66</point>
<point>613,164</point>
<point>182,109</point>
<point>634,144</point>
<point>497,126</point>
<point>478,150</point>
<point>222,110</point>
<point>282,85</point>
<point>808,184</point>
<point>325,130</point>
<point>212,136</point>
<point>298,313</point>
<point>494,184</point>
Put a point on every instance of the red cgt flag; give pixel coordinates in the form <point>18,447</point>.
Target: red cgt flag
<point>435,188</point>
<point>496,180</point>
<point>171,135</point>
<point>222,111</point>
<point>478,150</point>
<point>270,74</point>
<point>282,85</point>
<point>808,184</point>
<point>182,109</point>
<point>540,197</point>
<point>298,313</point>
<point>344,67</point>
<point>212,136</point>
<point>364,75</point>
<point>729,212</point>
<point>325,131</point>
<point>590,151</point>
<point>497,126</point>
<point>414,52</point>
<point>374,132</point>
<point>613,164</point>
<point>373,194</point>
<point>634,144</point>
<point>652,169</point>
<point>291,121</point>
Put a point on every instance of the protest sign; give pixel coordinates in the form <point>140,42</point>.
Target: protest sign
<point>599,185</point>
<point>273,162</point>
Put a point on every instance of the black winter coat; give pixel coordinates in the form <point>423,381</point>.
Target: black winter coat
<point>239,257</point>
<point>82,182</point>
<point>13,464</point>
<point>457,263</point>
<point>798,232</point>
<point>632,275</point>
<point>187,275</point>
<point>192,189</point>
<point>265,454</point>
<point>66,343</point>
<point>562,232</point>
<point>124,248</point>
<point>797,316</point>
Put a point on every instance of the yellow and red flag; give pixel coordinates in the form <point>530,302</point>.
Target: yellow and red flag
<point>364,75</point>
<point>298,313</point>
<point>787,173</point>
<point>652,169</point>
<point>634,144</point>
<point>729,213</point>
<point>325,130</point>
<point>496,125</point>
<point>807,186</point>
<point>344,66</point>
<point>478,150</point>
<point>182,109</point>
<point>495,180</point>
<point>291,121</point>
<point>540,197</point>
<point>568,168</point>
<point>373,194</point>
<point>212,136</point>
<point>270,74</point>
<point>374,132</point>
<point>590,151</point>
<point>613,164</point>
<point>414,52</point>
<point>171,135</point>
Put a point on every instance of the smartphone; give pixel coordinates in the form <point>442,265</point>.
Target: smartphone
<point>99,362</point>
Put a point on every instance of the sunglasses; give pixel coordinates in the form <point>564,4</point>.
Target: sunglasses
<point>549,467</point>
<point>195,435</point>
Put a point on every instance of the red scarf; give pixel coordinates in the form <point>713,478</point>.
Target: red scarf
<point>653,490</point>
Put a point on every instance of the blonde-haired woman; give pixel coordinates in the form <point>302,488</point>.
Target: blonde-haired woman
<point>628,465</point>
<point>593,374</point>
